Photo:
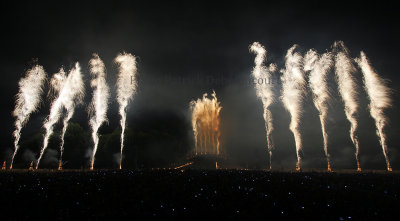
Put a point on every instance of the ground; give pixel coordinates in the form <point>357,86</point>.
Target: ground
<point>346,195</point>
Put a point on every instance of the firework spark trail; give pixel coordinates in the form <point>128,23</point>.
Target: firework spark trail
<point>206,122</point>
<point>56,84</point>
<point>70,90</point>
<point>99,105</point>
<point>126,88</point>
<point>195,132</point>
<point>64,129</point>
<point>264,91</point>
<point>198,108</point>
<point>319,67</point>
<point>27,101</point>
<point>348,90</point>
<point>293,90</point>
<point>216,122</point>
<point>379,96</point>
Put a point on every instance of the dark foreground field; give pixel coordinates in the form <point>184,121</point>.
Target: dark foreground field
<point>196,194</point>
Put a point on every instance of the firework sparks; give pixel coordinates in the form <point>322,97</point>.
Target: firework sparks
<point>99,105</point>
<point>27,102</point>
<point>348,90</point>
<point>264,91</point>
<point>205,122</point>
<point>126,88</point>
<point>70,91</point>
<point>319,67</point>
<point>378,94</point>
<point>293,89</point>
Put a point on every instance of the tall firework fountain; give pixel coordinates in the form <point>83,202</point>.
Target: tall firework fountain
<point>348,90</point>
<point>206,122</point>
<point>27,101</point>
<point>264,91</point>
<point>126,88</point>
<point>293,90</point>
<point>68,92</point>
<point>319,66</point>
<point>378,94</point>
<point>98,107</point>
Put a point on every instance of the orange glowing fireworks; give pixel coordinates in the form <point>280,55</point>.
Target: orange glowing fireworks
<point>31,166</point>
<point>206,122</point>
<point>184,165</point>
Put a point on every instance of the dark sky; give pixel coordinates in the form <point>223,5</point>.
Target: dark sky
<point>187,49</point>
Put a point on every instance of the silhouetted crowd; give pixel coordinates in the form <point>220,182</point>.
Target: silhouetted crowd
<point>198,194</point>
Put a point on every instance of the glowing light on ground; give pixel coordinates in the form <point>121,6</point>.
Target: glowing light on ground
<point>31,166</point>
<point>184,165</point>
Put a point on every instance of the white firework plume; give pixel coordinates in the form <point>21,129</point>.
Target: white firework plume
<point>264,91</point>
<point>293,91</point>
<point>379,96</point>
<point>27,101</point>
<point>126,88</point>
<point>319,67</point>
<point>70,90</point>
<point>348,90</point>
<point>98,107</point>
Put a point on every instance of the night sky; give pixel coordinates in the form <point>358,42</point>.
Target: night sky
<point>187,49</point>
